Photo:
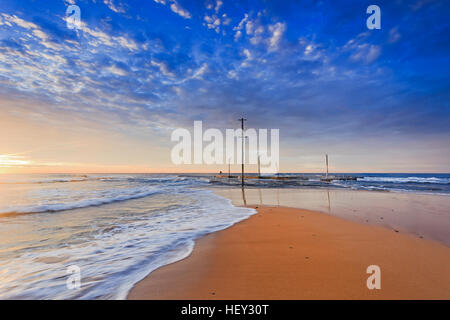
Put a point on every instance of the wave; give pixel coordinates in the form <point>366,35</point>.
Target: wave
<point>114,196</point>
<point>56,180</point>
<point>406,180</point>
<point>119,252</point>
<point>85,178</point>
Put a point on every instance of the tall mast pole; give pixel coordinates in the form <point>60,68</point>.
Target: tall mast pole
<point>259,167</point>
<point>326,157</point>
<point>243,143</point>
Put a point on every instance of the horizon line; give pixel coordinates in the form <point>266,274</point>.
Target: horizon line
<point>234,172</point>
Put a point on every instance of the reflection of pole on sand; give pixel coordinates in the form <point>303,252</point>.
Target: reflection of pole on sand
<point>260,197</point>
<point>243,196</point>
<point>329,203</point>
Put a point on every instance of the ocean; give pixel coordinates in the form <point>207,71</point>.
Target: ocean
<point>118,228</point>
<point>424,183</point>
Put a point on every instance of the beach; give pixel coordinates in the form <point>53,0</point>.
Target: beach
<point>153,236</point>
<point>220,149</point>
<point>292,253</point>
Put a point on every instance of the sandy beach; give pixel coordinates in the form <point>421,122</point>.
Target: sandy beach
<point>291,253</point>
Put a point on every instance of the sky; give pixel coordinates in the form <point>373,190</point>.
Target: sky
<point>106,97</point>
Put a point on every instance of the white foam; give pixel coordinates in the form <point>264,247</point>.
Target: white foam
<point>406,179</point>
<point>112,196</point>
<point>115,248</point>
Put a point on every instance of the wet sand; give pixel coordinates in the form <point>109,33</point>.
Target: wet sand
<point>423,215</point>
<point>289,253</point>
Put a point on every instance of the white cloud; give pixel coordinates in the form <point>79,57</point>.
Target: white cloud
<point>35,30</point>
<point>360,50</point>
<point>51,45</point>
<point>175,7</point>
<point>179,91</point>
<point>309,49</point>
<point>210,5</point>
<point>249,26</point>
<point>252,28</point>
<point>116,71</point>
<point>20,22</point>
<point>277,31</point>
<point>163,68</point>
<point>213,22</point>
<point>219,3</point>
<point>101,37</point>
<point>40,34</point>
<point>373,54</point>
<point>242,23</point>
<point>247,54</point>
<point>237,35</point>
<point>366,53</point>
<point>200,72</point>
<point>126,43</point>
<point>239,27</point>
<point>248,57</point>
<point>394,35</point>
<point>232,75</point>
<point>257,35</point>
<point>225,19</point>
<point>113,7</point>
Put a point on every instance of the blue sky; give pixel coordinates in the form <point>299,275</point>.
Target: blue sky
<point>376,100</point>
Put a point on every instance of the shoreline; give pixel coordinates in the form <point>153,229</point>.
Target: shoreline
<point>290,253</point>
<point>424,216</point>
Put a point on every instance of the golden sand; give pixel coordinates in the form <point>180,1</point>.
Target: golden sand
<point>286,253</point>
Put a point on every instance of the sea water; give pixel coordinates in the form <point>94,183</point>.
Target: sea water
<point>118,228</point>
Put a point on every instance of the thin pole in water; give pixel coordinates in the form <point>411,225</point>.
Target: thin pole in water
<point>259,167</point>
<point>243,143</point>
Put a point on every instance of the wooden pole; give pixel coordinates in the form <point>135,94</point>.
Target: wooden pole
<point>259,167</point>
<point>243,144</point>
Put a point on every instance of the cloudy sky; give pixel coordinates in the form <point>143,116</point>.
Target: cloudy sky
<point>106,97</point>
